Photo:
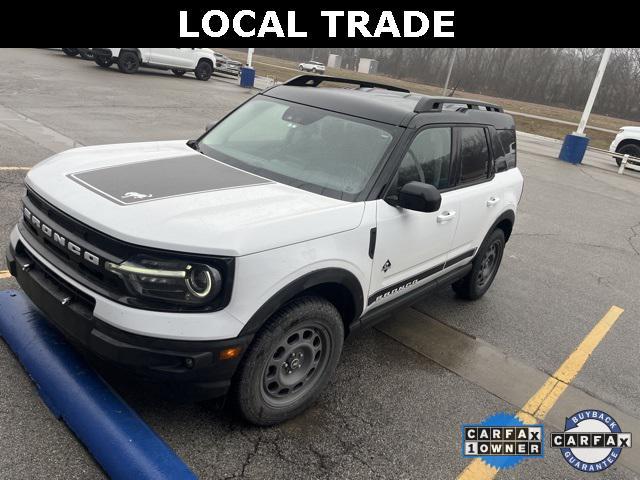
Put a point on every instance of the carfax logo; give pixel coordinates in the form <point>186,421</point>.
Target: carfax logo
<point>503,440</point>
<point>592,441</point>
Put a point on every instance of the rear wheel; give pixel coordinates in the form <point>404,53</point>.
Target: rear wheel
<point>86,54</point>
<point>290,362</point>
<point>72,52</point>
<point>203,71</point>
<point>631,149</point>
<point>485,265</point>
<point>178,72</point>
<point>102,61</point>
<point>128,62</point>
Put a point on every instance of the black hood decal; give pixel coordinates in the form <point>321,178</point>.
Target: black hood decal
<point>157,179</point>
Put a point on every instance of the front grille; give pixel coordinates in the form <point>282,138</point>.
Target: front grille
<point>107,248</point>
<point>93,276</point>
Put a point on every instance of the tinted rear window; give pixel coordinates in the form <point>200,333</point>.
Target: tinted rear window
<point>508,141</point>
<point>474,154</point>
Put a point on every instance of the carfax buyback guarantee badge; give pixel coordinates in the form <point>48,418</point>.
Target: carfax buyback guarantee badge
<point>592,440</point>
<point>502,440</point>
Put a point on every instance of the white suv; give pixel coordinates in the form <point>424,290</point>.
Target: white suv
<point>627,142</point>
<point>240,261</point>
<point>311,66</point>
<point>201,61</point>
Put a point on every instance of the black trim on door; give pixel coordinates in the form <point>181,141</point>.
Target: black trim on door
<point>377,314</point>
<point>399,286</point>
<point>459,258</point>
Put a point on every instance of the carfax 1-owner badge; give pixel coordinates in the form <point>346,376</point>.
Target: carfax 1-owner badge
<point>592,440</point>
<point>502,440</point>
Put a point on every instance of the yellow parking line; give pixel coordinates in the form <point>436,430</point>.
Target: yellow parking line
<point>15,168</point>
<point>545,398</point>
<point>4,274</point>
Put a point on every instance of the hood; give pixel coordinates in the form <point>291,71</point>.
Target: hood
<point>633,129</point>
<point>166,195</point>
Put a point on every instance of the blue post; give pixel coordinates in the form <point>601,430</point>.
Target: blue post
<point>247,76</point>
<point>120,441</point>
<point>574,148</point>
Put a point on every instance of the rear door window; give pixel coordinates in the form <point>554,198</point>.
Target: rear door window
<point>508,140</point>
<point>475,159</point>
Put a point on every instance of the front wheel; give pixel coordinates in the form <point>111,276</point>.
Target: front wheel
<point>178,72</point>
<point>203,71</point>
<point>484,268</point>
<point>632,150</point>
<point>128,62</point>
<point>290,362</point>
<point>72,52</point>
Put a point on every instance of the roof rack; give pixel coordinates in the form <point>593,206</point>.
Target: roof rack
<point>315,80</point>
<point>434,104</point>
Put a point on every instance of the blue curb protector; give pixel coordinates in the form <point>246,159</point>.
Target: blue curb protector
<point>120,441</point>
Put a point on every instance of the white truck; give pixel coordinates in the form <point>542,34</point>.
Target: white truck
<point>240,261</point>
<point>200,61</point>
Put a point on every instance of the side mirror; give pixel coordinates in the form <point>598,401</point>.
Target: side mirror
<point>210,125</point>
<point>421,197</point>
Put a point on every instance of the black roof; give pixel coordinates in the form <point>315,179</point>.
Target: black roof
<point>395,107</point>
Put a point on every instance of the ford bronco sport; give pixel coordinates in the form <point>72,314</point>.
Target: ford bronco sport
<point>239,262</point>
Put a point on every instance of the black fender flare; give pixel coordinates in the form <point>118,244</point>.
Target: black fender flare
<point>509,215</point>
<point>308,281</point>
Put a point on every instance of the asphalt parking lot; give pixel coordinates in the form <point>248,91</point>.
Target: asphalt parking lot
<point>400,397</point>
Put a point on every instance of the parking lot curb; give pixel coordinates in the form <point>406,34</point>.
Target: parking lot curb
<point>119,440</point>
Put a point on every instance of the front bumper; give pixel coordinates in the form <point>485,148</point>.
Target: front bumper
<point>194,365</point>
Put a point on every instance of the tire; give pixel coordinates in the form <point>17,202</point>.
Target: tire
<point>102,61</point>
<point>484,268</point>
<point>203,71</point>
<point>86,54</point>
<point>128,62</point>
<point>631,149</point>
<point>72,52</point>
<point>290,362</point>
<point>178,72</point>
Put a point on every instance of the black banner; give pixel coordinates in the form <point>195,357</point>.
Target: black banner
<point>441,24</point>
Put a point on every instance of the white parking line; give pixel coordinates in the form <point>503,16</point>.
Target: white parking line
<point>14,168</point>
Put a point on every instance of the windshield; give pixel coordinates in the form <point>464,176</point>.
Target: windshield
<point>306,147</point>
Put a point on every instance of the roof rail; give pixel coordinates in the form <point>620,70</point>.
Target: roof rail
<point>315,80</point>
<point>434,104</point>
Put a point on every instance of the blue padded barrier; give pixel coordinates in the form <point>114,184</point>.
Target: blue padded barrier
<point>120,441</point>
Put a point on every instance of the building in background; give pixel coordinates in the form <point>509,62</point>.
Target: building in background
<point>368,65</point>
<point>334,61</point>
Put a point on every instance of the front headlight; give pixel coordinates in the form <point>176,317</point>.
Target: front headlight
<point>177,281</point>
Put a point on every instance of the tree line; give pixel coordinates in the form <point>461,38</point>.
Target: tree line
<point>553,76</point>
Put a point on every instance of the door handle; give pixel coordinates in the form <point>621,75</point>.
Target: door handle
<point>446,217</point>
<point>492,201</point>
